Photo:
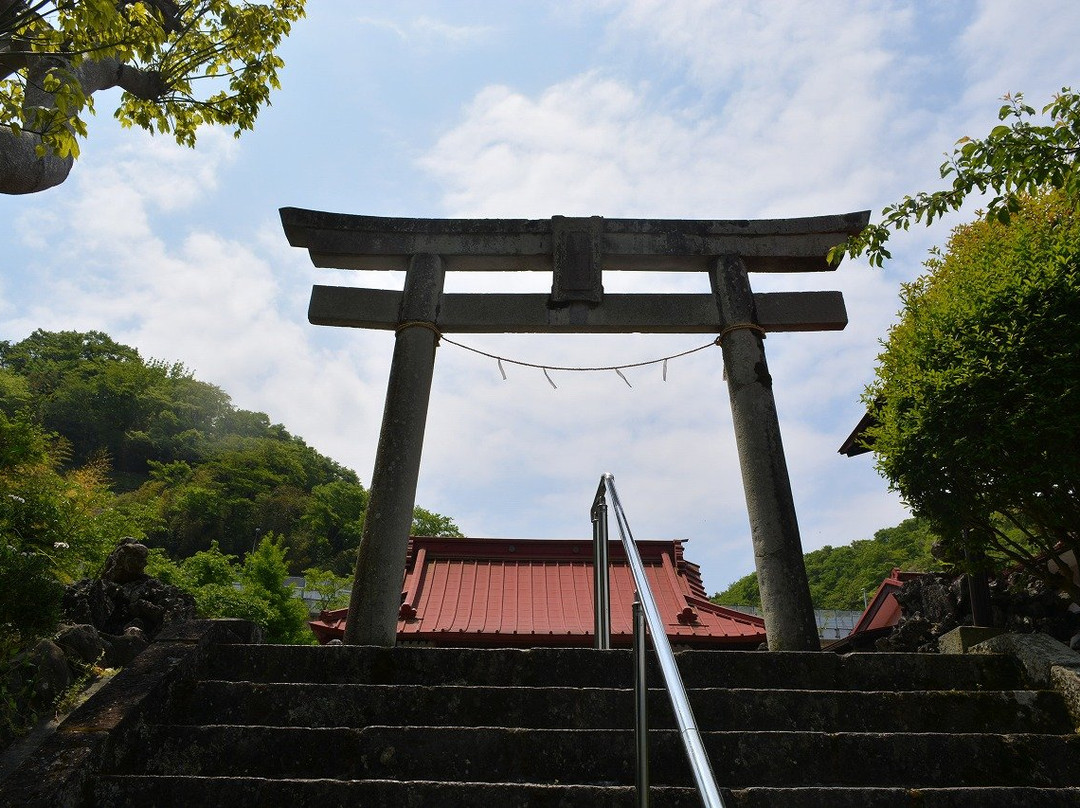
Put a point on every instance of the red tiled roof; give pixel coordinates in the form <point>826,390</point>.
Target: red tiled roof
<point>883,611</point>
<point>881,614</point>
<point>540,592</point>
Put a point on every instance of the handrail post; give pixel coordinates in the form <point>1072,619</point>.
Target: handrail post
<point>641,705</point>
<point>601,581</point>
<point>680,704</point>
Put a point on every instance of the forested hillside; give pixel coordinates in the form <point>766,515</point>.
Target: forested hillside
<point>175,462</point>
<point>839,576</point>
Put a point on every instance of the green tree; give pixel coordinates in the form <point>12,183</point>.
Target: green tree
<point>244,488</point>
<point>977,391</point>
<point>192,469</point>
<point>264,574</point>
<point>181,64</point>
<point>45,354</point>
<point>210,568</point>
<point>103,398</point>
<point>743,592</point>
<point>55,527</point>
<point>331,525</point>
<point>214,580</point>
<point>429,523</point>
<point>839,576</point>
<point>332,590</point>
<point>1018,158</point>
<point>14,392</point>
<point>255,590</point>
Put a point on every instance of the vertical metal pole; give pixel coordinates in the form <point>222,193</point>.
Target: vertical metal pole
<point>774,530</point>
<point>601,580</point>
<point>641,706</point>
<point>384,542</point>
<point>982,612</point>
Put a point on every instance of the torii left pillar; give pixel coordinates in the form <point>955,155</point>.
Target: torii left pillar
<point>384,542</point>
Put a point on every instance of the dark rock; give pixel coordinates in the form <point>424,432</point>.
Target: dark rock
<point>86,602</point>
<point>53,675</point>
<point>126,563</point>
<point>934,604</point>
<point>937,598</point>
<point>139,623</point>
<point>81,644</point>
<point>151,604</point>
<point>144,603</point>
<point>149,611</point>
<point>120,649</point>
<point>911,633</point>
<point>1027,604</point>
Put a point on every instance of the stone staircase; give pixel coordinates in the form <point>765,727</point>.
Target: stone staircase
<point>236,724</point>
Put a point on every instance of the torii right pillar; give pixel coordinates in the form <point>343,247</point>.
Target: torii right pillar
<point>774,529</point>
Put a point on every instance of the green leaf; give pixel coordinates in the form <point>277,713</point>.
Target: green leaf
<point>1012,160</point>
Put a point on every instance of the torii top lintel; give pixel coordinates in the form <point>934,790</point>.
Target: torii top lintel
<point>576,251</point>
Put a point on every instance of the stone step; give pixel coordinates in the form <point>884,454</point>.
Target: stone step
<point>300,726</point>
<point>337,705</point>
<point>253,792</point>
<point>584,667</point>
<point>815,797</point>
<point>605,757</point>
<point>248,792</point>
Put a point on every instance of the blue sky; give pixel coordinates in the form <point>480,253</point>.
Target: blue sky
<point>703,110</point>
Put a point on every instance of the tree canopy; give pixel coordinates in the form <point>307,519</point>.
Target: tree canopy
<point>56,526</point>
<point>181,64</point>
<point>189,467</point>
<point>253,590</point>
<point>105,399</point>
<point>977,391</point>
<point>840,576</point>
<point>1018,158</point>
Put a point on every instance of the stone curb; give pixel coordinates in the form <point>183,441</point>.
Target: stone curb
<point>57,774</point>
<point>1046,663</point>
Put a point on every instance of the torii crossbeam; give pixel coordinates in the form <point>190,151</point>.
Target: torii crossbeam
<point>577,251</point>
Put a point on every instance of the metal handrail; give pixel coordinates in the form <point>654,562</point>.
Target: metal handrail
<point>680,704</point>
<point>641,706</point>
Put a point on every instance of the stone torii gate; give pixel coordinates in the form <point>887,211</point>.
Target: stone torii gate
<point>576,251</point>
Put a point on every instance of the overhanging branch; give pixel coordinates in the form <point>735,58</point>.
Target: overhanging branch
<point>22,169</point>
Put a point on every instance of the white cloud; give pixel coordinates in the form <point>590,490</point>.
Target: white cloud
<point>778,113</point>
<point>456,34</point>
<point>389,25</point>
<point>425,31</point>
<point>752,49</point>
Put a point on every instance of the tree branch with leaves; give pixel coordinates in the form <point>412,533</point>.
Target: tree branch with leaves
<point>181,66</point>
<point>1020,157</point>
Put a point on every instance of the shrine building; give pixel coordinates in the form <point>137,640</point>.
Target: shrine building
<point>539,592</point>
